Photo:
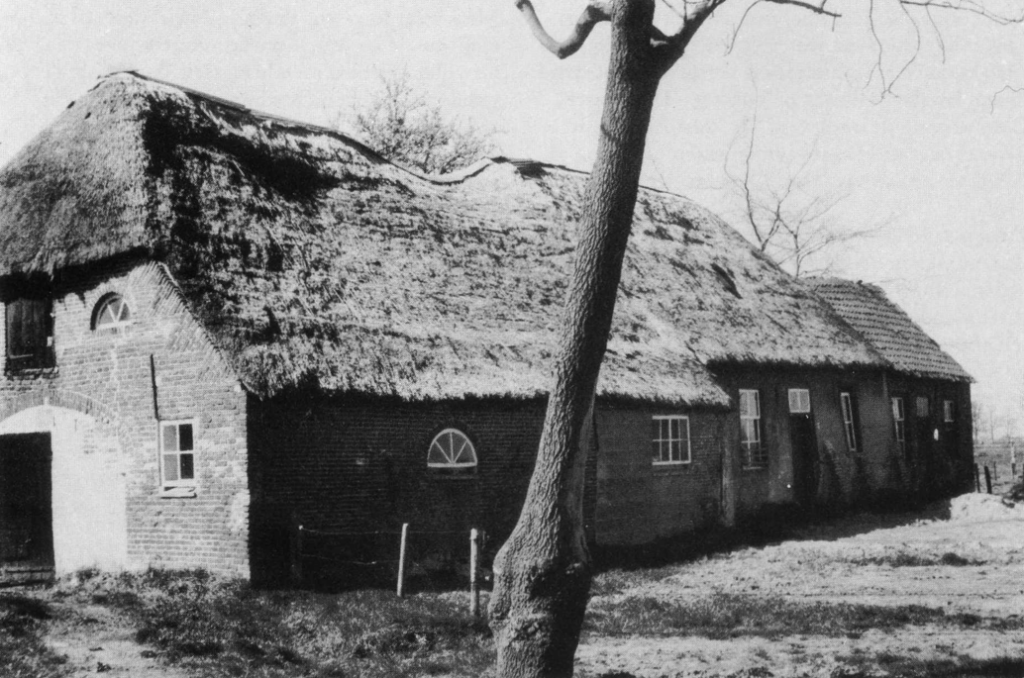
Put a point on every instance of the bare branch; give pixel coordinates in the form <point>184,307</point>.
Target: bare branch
<point>1006,88</point>
<point>594,13</point>
<point>971,6</point>
<point>817,8</point>
<point>670,48</point>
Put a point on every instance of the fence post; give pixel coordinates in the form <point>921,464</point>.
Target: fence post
<point>977,479</point>
<point>474,567</point>
<point>1013,470</point>
<point>988,480</point>
<point>296,551</point>
<point>401,561</point>
<point>995,471</point>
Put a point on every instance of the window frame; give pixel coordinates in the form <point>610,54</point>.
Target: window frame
<point>41,354</point>
<point>948,412</point>
<point>899,419</point>
<point>798,392</point>
<point>847,407</point>
<point>453,466</point>
<point>120,323</point>
<point>755,454</point>
<point>927,407</point>
<point>657,440</point>
<point>179,486</point>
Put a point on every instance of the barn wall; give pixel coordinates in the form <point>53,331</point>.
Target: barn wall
<point>837,476</point>
<point>161,367</point>
<point>359,467</point>
<point>638,501</point>
<point>939,455</point>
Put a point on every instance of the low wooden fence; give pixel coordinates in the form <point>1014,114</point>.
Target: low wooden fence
<point>426,559</point>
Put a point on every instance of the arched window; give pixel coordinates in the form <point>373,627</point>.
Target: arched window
<point>112,313</point>
<point>451,449</point>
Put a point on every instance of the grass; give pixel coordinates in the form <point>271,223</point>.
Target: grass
<point>218,627</point>
<point>723,616</point>
<point>22,651</point>
<point>903,559</point>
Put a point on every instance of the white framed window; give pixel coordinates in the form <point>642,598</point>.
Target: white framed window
<point>754,453</point>
<point>451,449</point>
<point>111,314</point>
<point>670,439</point>
<point>799,401</point>
<point>921,406</point>
<point>849,420</point>
<point>178,455</point>
<point>29,333</point>
<point>899,419</point>
<point>948,411</point>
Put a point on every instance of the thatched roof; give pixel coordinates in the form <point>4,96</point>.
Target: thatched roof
<point>888,329</point>
<point>316,263</point>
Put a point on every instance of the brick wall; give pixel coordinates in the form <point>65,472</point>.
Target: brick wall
<point>347,466</point>
<point>639,501</point>
<point>161,367</point>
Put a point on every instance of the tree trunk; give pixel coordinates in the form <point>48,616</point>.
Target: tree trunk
<point>542,573</point>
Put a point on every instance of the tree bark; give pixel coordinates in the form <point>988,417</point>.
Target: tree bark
<point>542,573</point>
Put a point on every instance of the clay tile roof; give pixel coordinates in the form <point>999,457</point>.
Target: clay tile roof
<point>888,328</point>
<point>315,263</point>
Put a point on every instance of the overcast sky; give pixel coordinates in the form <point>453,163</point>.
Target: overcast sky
<point>941,165</point>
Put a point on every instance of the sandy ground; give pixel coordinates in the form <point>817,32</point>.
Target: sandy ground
<point>96,640</point>
<point>822,566</point>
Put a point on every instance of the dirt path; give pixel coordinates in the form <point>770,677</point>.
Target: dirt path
<point>95,640</point>
<point>970,564</point>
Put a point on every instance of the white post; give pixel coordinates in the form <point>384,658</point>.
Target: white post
<point>401,560</point>
<point>474,566</point>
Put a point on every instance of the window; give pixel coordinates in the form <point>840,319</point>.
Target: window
<point>112,313</point>
<point>29,325</point>
<point>451,449</point>
<point>899,419</point>
<point>670,440</point>
<point>948,411</point>
<point>921,404</point>
<point>799,401</point>
<point>847,403</point>
<point>754,454</point>
<point>177,454</point>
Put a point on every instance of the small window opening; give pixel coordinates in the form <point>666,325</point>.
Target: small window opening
<point>799,401</point>
<point>177,456</point>
<point>112,313</point>
<point>451,449</point>
<point>670,439</point>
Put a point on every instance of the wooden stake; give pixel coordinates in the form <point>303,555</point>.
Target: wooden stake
<point>296,552</point>
<point>401,561</point>
<point>988,480</point>
<point>977,479</point>
<point>474,567</point>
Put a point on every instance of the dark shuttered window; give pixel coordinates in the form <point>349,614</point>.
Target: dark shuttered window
<point>29,324</point>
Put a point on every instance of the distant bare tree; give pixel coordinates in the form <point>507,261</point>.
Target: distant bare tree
<point>400,124</point>
<point>788,219</point>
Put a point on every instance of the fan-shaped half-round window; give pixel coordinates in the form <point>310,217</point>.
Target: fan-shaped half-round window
<point>451,448</point>
<point>111,313</point>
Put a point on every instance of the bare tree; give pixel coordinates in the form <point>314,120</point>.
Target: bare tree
<point>790,220</point>
<point>542,573</point>
<point>400,124</point>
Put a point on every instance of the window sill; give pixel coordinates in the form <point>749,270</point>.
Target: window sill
<point>754,468</point>
<point>670,465</point>
<point>184,492</point>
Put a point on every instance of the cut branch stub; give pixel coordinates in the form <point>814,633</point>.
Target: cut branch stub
<point>593,14</point>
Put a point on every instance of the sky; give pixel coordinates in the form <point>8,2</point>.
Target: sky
<point>936,170</point>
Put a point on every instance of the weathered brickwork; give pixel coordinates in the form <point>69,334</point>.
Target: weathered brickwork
<point>359,467</point>
<point>162,366</point>
<point>639,501</point>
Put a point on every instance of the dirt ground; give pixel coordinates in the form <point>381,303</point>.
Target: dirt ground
<point>861,560</point>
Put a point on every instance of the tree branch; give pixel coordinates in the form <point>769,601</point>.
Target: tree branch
<point>594,13</point>
<point>968,6</point>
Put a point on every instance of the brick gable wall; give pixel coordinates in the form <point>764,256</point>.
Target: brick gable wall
<point>161,367</point>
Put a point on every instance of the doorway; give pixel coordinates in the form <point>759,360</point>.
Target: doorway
<point>804,440</point>
<point>26,514</point>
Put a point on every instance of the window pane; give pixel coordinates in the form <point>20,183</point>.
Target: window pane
<point>170,438</point>
<point>674,429</point>
<point>187,472</point>
<point>746,404</point>
<point>170,467</point>
<point>185,437</point>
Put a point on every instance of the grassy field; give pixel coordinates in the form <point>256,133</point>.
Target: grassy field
<point>867,596</point>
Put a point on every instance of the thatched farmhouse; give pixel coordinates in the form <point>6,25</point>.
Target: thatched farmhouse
<point>219,322</point>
